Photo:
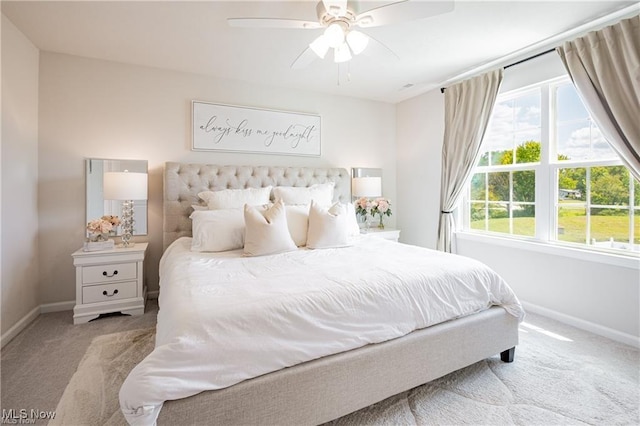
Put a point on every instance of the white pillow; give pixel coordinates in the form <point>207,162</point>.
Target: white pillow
<point>352,219</point>
<point>328,227</point>
<point>266,232</point>
<point>217,230</point>
<point>298,223</point>
<point>236,198</point>
<point>321,193</point>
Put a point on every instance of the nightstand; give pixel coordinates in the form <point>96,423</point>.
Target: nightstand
<point>386,233</point>
<point>109,281</point>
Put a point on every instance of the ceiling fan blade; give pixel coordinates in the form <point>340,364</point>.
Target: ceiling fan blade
<point>304,59</point>
<point>335,7</point>
<point>402,11</point>
<point>377,49</point>
<point>272,23</point>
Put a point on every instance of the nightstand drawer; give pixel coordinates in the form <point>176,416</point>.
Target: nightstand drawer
<point>109,273</point>
<point>107,292</point>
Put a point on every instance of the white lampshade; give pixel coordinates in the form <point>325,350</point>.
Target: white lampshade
<point>125,186</point>
<point>342,53</point>
<point>357,41</point>
<point>334,35</point>
<point>366,186</point>
<point>320,46</point>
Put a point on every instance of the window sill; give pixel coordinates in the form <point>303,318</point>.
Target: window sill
<point>626,260</point>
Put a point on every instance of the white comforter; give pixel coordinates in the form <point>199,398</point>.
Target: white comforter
<point>225,318</point>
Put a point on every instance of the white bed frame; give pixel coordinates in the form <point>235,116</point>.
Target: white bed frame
<point>324,389</point>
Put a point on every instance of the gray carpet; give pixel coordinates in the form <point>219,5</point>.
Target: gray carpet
<point>570,378</point>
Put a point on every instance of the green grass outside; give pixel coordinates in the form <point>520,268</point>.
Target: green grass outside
<point>573,227</point>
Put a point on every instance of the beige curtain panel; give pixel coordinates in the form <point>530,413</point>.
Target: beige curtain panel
<point>467,109</point>
<point>605,68</point>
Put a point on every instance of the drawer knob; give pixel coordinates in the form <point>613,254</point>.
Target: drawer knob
<point>107,275</point>
<point>104,293</point>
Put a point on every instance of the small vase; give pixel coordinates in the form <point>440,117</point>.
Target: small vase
<point>98,237</point>
<point>380,224</point>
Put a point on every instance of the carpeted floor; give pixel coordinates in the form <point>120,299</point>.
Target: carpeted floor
<point>561,375</point>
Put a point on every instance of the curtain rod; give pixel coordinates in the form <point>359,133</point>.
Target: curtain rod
<point>442,89</point>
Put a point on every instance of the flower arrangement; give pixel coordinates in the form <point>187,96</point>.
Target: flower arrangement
<point>372,207</point>
<point>100,228</point>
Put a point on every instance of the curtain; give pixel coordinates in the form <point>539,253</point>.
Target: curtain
<point>467,109</point>
<point>605,69</point>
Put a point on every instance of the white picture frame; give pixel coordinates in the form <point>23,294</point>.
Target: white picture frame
<point>219,127</point>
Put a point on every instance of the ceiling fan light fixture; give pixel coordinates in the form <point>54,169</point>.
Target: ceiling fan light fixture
<point>342,53</point>
<point>334,35</point>
<point>320,46</point>
<point>357,41</point>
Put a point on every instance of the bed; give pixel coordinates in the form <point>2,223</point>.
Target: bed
<point>315,381</point>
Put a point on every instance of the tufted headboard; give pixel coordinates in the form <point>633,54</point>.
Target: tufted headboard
<point>183,182</point>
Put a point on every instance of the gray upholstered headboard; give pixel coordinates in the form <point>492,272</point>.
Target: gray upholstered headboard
<point>183,182</point>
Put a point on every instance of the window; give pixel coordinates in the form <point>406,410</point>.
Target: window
<point>547,173</point>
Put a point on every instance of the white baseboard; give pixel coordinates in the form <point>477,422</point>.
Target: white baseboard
<point>57,307</point>
<point>43,309</point>
<point>600,330</point>
<point>19,326</point>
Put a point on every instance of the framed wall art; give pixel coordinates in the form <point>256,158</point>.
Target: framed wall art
<point>217,127</point>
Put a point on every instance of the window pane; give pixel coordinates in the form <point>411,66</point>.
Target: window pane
<point>478,216</point>
<point>527,111</point>
<point>478,186</point>
<point>502,118</point>
<point>572,222</point>
<point>498,217</point>
<point>569,107</point>
<point>609,226</point>
<point>528,148</point>
<point>609,186</point>
<point>572,185</point>
<point>636,192</point>
<point>577,136</point>
<point>499,186</point>
<point>524,222</point>
<point>514,122</point>
<point>524,186</point>
<point>600,148</point>
<point>574,140</point>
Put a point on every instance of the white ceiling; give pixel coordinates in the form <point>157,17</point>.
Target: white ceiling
<point>194,37</point>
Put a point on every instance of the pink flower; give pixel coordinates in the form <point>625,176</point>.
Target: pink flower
<point>383,205</point>
<point>99,226</point>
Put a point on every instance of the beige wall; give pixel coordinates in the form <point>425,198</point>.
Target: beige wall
<point>420,122</point>
<point>19,153</point>
<point>93,108</point>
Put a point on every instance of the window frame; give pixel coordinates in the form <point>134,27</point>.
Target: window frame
<point>546,178</point>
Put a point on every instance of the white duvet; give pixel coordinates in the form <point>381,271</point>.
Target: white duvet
<point>225,318</point>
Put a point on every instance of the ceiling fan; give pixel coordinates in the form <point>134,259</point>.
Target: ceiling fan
<point>340,18</point>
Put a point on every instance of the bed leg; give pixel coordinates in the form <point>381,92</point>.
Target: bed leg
<point>507,356</point>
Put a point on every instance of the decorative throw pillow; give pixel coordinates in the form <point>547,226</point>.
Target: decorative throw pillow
<point>236,198</point>
<point>217,230</point>
<point>266,232</point>
<point>321,193</point>
<point>328,227</point>
<point>298,223</point>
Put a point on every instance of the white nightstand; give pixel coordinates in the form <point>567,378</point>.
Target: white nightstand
<point>109,281</point>
<point>386,233</point>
